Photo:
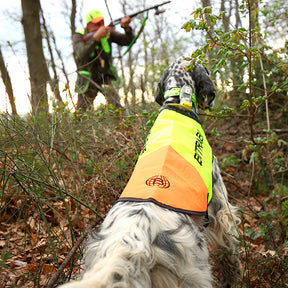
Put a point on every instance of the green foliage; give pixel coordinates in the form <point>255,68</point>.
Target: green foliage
<point>230,161</point>
<point>254,77</point>
<point>4,257</point>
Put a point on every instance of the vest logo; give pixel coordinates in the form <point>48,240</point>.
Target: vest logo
<point>158,180</point>
<point>199,148</point>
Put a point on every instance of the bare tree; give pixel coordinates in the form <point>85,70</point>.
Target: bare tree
<point>39,74</point>
<point>7,83</point>
<point>63,69</point>
<point>237,15</point>
<point>54,83</point>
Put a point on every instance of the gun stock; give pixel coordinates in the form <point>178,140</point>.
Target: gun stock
<point>88,36</point>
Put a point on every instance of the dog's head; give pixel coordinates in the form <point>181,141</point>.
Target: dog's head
<point>199,80</point>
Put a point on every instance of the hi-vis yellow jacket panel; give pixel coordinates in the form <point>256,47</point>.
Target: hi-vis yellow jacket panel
<point>174,170</point>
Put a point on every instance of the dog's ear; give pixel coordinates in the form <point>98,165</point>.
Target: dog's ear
<point>207,71</point>
<point>205,89</point>
<point>160,88</point>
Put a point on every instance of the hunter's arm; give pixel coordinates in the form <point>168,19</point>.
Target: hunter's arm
<point>122,39</point>
<point>83,50</point>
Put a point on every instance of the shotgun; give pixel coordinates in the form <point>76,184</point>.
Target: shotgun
<point>89,35</point>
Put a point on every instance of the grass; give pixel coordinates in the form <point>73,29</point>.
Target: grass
<point>58,174</point>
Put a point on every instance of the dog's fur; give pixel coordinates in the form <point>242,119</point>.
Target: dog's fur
<point>142,245</point>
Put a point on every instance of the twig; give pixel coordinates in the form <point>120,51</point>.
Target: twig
<point>280,172</point>
<point>239,132</point>
<point>252,113</point>
<point>108,10</point>
<point>243,194</point>
<point>252,177</point>
<point>71,254</point>
<point>224,116</point>
<point>91,81</point>
<point>269,158</point>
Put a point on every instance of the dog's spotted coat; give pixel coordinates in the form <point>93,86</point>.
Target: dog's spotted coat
<point>142,245</point>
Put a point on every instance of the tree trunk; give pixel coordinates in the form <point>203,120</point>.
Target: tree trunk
<point>238,23</point>
<point>7,82</point>
<point>72,21</point>
<point>39,74</point>
<point>72,17</point>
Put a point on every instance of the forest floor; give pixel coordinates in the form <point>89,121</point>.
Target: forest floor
<point>58,181</point>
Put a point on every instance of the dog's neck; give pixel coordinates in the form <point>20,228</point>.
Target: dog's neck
<point>172,101</point>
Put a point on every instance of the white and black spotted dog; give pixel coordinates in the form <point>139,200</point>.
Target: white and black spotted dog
<point>143,244</point>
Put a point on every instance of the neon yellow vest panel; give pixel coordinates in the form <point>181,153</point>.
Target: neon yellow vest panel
<point>174,169</point>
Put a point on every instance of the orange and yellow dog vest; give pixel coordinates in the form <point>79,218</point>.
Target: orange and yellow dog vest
<point>174,169</point>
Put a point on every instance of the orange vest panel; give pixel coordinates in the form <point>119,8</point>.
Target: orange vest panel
<point>180,189</point>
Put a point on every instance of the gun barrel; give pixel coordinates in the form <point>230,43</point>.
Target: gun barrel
<point>118,21</point>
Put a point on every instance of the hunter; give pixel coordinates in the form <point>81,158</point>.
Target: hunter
<point>93,54</point>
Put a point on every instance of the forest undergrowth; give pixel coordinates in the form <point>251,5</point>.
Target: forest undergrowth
<point>62,173</point>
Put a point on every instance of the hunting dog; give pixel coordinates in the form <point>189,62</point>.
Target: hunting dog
<point>143,243</point>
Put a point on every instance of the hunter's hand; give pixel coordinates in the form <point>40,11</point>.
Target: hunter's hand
<point>100,33</point>
<point>125,21</point>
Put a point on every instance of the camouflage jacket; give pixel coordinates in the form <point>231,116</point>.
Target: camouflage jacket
<point>94,60</point>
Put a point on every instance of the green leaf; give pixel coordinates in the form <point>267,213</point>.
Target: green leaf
<point>213,19</point>
<point>5,256</point>
<point>207,9</point>
<point>222,62</point>
<point>131,118</point>
<point>219,32</point>
<point>226,36</point>
<point>242,30</point>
